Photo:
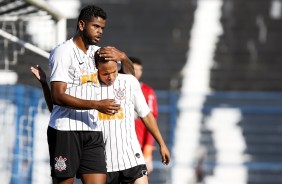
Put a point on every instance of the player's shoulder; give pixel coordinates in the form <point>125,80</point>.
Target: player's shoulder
<point>127,77</point>
<point>63,47</point>
<point>94,48</point>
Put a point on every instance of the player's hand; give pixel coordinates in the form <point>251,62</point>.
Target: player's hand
<point>112,54</point>
<point>39,73</point>
<point>108,106</point>
<point>165,155</point>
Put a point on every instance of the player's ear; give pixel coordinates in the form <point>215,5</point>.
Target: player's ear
<point>81,25</point>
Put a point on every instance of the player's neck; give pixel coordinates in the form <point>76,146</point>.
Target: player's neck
<point>78,41</point>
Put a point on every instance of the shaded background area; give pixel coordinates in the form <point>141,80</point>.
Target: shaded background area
<point>154,31</point>
<point>248,55</point>
<point>244,82</point>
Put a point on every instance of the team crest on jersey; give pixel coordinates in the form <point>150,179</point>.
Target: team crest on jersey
<point>60,163</point>
<point>119,93</point>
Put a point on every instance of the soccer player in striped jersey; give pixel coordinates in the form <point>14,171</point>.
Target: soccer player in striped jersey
<point>75,138</point>
<point>125,161</point>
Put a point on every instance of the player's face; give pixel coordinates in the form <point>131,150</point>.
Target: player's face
<point>107,72</point>
<point>138,71</point>
<point>92,31</point>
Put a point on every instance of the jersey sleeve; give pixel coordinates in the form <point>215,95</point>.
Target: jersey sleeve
<point>59,63</point>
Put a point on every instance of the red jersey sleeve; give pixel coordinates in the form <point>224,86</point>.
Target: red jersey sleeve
<point>151,100</point>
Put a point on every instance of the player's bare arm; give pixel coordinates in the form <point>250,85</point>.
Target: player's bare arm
<point>58,89</point>
<point>151,125</point>
<point>40,75</point>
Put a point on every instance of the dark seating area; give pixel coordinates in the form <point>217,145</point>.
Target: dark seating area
<point>158,35</point>
<point>248,54</point>
<point>246,75</point>
<point>157,32</point>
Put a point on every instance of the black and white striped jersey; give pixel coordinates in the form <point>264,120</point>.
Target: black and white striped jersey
<point>122,147</point>
<point>71,65</point>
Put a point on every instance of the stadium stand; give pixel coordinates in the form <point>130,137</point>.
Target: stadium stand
<point>258,153</point>
<point>245,79</point>
<point>248,55</point>
<point>22,24</point>
<point>29,29</point>
<point>24,116</point>
<point>240,116</point>
<point>237,124</point>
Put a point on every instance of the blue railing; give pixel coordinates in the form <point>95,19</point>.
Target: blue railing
<point>167,105</point>
<point>20,102</point>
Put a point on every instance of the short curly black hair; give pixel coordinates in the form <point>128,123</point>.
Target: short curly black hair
<point>99,59</point>
<point>90,11</point>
